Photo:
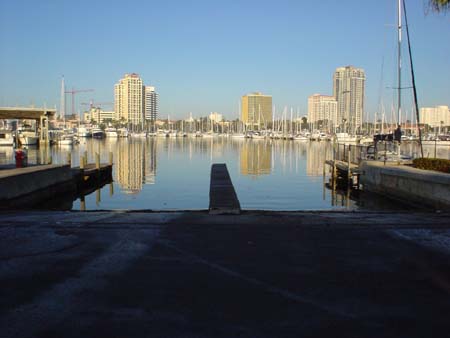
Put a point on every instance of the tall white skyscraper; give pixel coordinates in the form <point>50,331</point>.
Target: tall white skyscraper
<point>348,91</point>
<point>150,103</point>
<point>128,99</point>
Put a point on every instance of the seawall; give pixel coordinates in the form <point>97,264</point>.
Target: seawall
<point>411,185</point>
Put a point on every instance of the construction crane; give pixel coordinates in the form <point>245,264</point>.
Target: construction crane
<point>76,91</point>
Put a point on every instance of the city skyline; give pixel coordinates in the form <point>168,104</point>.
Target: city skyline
<point>216,52</point>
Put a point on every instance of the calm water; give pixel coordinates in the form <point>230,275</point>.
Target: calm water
<point>168,174</point>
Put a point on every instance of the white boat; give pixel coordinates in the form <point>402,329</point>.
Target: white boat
<point>258,136</point>
<point>123,132</point>
<point>301,138</point>
<point>345,138</point>
<point>6,138</point>
<point>111,132</point>
<point>97,133</point>
<point>84,132</point>
<point>238,135</point>
<point>28,138</point>
<point>65,140</point>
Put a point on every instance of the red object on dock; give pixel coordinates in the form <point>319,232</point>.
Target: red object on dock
<point>21,158</point>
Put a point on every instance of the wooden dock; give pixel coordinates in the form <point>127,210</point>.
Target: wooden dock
<point>342,170</point>
<point>222,196</point>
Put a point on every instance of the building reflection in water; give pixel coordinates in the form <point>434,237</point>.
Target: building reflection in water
<point>318,152</point>
<point>256,158</point>
<point>135,164</point>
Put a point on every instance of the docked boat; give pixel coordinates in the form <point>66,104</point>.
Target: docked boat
<point>84,132</point>
<point>302,138</point>
<point>28,138</point>
<point>111,132</point>
<point>345,138</point>
<point>66,140</point>
<point>123,132</point>
<point>6,138</point>
<point>97,133</point>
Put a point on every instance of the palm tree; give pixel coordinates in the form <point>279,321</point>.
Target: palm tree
<point>439,5</point>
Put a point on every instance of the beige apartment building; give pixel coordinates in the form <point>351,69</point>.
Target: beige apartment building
<point>438,116</point>
<point>322,108</point>
<point>256,109</point>
<point>348,91</point>
<point>128,99</point>
<point>99,115</point>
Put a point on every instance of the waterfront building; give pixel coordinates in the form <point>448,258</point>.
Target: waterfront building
<point>348,91</point>
<point>216,117</point>
<point>256,109</point>
<point>129,100</point>
<point>150,103</point>
<point>438,116</point>
<point>322,108</point>
<point>99,115</point>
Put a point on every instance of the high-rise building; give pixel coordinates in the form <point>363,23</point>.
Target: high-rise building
<point>348,91</point>
<point>150,103</point>
<point>216,117</point>
<point>435,117</point>
<point>256,109</point>
<point>128,99</point>
<point>322,108</point>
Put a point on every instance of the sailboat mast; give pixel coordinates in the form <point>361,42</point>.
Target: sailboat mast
<point>399,62</point>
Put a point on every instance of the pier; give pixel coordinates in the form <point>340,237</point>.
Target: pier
<point>222,196</point>
<point>40,185</point>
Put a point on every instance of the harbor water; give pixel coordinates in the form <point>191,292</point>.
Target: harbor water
<point>174,173</point>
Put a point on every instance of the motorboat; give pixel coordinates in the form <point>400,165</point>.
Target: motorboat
<point>97,133</point>
<point>111,132</point>
<point>6,138</point>
<point>28,138</point>
<point>84,132</point>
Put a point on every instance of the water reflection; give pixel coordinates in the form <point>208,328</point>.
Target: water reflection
<point>174,173</point>
<point>256,158</point>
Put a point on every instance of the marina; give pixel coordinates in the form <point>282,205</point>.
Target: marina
<point>174,173</point>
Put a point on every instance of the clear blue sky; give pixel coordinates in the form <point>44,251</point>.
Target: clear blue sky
<point>202,55</point>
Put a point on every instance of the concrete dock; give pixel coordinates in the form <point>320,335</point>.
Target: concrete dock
<point>192,274</point>
<point>36,185</point>
<point>222,195</point>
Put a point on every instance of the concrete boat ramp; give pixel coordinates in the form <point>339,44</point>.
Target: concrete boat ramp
<point>194,274</point>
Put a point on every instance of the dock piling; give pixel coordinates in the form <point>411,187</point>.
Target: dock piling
<point>97,160</point>
<point>110,158</point>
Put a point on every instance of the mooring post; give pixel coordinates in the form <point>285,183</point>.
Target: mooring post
<point>110,158</point>
<point>69,159</point>
<point>85,157</point>
<point>349,172</point>
<point>97,161</point>
<point>82,203</point>
<point>50,159</point>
